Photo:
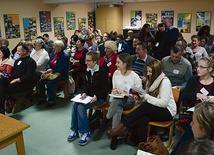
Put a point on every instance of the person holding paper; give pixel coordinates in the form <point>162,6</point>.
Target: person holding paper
<point>201,87</point>
<point>97,86</point>
<point>123,79</point>
<point>157,103</point>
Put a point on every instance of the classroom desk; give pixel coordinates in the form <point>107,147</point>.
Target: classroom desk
<point>11,132</point>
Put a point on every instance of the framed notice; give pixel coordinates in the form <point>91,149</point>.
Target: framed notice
<point>30,31</point>
<point>58,26</point>
<point>169,14</point>
<point>152,19</point>
<point>136,18</point>
<point>12,28</point>
<point>71,20</point>
<point>184,22</point>
<point>91,20</point>
<point>45,21</point>
<point>202,19</point>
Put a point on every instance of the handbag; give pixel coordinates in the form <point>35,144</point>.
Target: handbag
<point>154,145</point>
<point>50,76</point>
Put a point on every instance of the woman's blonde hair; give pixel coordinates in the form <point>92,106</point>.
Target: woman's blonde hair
<point>205,115</point>
<point>111,44</point>
<point>157,69</point>
<point>209,60</point>
<point>59,43</point>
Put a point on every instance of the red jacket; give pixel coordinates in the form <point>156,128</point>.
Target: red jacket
<point>112,67</point>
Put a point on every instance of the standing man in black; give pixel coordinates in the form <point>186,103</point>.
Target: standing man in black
<point>21,77</point>
<point>168,40</point>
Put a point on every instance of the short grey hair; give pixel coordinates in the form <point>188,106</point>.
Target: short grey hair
<point>40,42</point>
<point>59,43</point>
<point>111,44</point>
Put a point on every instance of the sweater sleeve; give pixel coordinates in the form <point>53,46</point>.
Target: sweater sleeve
<point>163,97</point>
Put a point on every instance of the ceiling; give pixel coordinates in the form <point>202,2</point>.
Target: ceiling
<point>93,1</point>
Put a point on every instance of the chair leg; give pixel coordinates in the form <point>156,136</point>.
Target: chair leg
<point>90,112</point>
<point>170,142</point>
<point>149,128</point>
<point>66,91</point>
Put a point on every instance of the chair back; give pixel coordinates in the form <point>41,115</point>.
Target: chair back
<point>176,94</point>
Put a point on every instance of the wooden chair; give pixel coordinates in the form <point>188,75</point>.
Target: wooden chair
<point>101,108</point>
<point>63,84</point>
<point>168,124</point>
<point>129,111</point>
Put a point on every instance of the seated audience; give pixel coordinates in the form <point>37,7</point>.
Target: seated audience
<point>73,41</point>
<point>202,124</point>
<point>101,47</point>
<point>67,49</point>
<point>123,79</point>
<point>129,39</point>
<point>113,35</point>
<point>21,76</point>
<point>90,46</point>
<point>96,87</point>
<point>177,68</point>
<point>199,87</point>
<point>58,63</point>
<point>122,46</point>
<point>30,46</point>
<point>157,104</point>
<point>145,33</point>
<point>151,47</point>
<point>49,43</point>
<point>6,62</point>
<point>135,42</point>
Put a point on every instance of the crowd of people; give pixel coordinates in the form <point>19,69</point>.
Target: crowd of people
<point>111,63</point>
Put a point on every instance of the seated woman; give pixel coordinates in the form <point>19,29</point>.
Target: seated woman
<point>6,62</point>
<point>96,87</point>
<point>123,79</point>
<point>78,61</point>
<point>202,124</point>
<point>58,63</point>
<point>108,61</point>
<point>158,103</point>
<point>199,87</point>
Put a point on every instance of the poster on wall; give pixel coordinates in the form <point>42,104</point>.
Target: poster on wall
<point>152,19</point>
<point>136,19</point>
<point>45,21</point>
<point>58,26</point>
<point>12,28</point>
<point>202,19</point>
<point>169,14</point>
<point>184,22</point>
<point>82,25</point>
<point>91,20</point>
<point>71,20</point>
<point>30,31</point>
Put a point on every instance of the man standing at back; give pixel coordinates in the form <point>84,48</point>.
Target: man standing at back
<point>177,68</point>
<point>168,40</point>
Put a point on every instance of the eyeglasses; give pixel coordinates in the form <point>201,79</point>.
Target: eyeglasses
<point>201,67</point>
<point>88,60</point>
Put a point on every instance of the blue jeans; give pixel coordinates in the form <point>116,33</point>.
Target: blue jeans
<point>79,119</point>
<point>50,88</point>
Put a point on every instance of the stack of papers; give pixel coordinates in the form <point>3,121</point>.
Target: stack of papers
<point>117,95</point>
<point>85,101</point>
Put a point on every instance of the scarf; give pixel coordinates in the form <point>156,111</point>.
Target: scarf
<point>7,61</point>
<point>156,83</point>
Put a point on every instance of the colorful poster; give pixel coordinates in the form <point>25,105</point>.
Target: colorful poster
<point>136,19</point>
<point>152,20</point>
<point>71,20</point>
<point>202,19</point>
<point>82,25</point>
<point>12,28</point>
<point>30,31</point>
<point>184,22</point>
<point>58,26</point>
<point>169,14</point>
<point>91,20</point>
<point>45,21</point>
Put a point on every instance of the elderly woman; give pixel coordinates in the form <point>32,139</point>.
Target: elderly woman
<point>109,60</point>
<point>58,63</point>
<point>6,63</point>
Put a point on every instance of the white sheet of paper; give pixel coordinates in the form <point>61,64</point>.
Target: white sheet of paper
<point>85,101</point>
<point>140,152</point>
<point>191,109</point>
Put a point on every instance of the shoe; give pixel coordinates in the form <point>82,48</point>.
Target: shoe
<point>113,144</point>
<point>72,135</point>
<point>85,138</point>
<point>49,105</point>
<point>41,102</point>
<point>116,131</point>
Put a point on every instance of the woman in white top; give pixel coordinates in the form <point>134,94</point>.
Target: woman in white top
<point>197,50</point>
<point>123,79</point>
<point>157,103</point>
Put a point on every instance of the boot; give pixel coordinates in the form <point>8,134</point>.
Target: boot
<point>116,131</point>
<point>113,144</point>
<point>104,125</point>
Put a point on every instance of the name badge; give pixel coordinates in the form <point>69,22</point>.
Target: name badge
<point>19,62</point>
<point>109,64</point>
<point>204,91</point>
<point>175,71</point>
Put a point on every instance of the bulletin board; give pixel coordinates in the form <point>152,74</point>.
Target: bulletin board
<point>184,22</point>
<point>58,26</point>
<point>45,21</point>
<point>30,30</point>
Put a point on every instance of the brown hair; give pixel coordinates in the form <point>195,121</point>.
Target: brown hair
<point>94,56</point>
<point>126,58</point>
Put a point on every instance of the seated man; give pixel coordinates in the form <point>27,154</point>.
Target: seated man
<point>21,76</point>
<point>140,60</point>
<point>177,68</point>
<point>134,45</point>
